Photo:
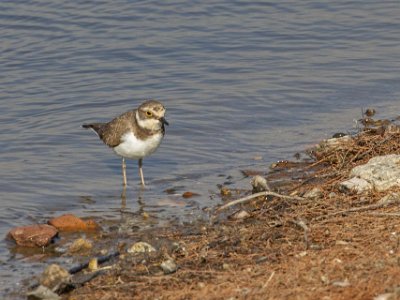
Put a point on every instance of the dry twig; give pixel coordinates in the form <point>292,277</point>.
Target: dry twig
<point>256,195</point>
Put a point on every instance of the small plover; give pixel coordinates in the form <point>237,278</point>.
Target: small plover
<point>135,134</point>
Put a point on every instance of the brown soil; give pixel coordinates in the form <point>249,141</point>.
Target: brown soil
<point>337,246</point>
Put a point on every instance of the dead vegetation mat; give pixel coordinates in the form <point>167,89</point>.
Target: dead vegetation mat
<point>336,246</point>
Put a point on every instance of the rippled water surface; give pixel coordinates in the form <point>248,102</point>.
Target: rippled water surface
<point>238,79</point>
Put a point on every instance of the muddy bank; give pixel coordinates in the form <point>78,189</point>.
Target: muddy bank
<point>306,238</point>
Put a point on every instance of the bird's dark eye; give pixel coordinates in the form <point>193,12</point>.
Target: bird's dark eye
<point>148,113</point>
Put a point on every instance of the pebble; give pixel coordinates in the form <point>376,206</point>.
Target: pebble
<point>337,142</point>
<point>93,264</point>
<point>201,285</point>
<point>33,235</point>
<point>54,276</point>
<point>169,266</point>
<point>189,194</point>
<point>239,215</point>
<point>42,293</point>
<point>80,245</point>
<point>259,184</point>
<point>141,247</point>
<point>315,193</point>
<point>341,283</point>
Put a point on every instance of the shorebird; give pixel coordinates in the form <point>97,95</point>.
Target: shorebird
<point>135,134</point>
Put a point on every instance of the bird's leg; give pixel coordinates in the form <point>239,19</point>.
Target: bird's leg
<point>124,172</point>
<point>140,162</point>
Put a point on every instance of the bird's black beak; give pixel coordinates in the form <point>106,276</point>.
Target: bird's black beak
<point>163,121</point>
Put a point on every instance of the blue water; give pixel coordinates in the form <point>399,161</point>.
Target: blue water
<point>239,79</point>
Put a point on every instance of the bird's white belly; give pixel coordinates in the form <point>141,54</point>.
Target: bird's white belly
<point>134,148</point>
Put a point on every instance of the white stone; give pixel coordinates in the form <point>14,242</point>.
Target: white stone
<point>337,142</point>
<point>356,184</point>
<point>141,247</point>
<point>382,172</point>
<point>314,193</point>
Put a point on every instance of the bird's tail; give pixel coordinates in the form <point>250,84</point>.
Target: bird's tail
<point>96,127</point>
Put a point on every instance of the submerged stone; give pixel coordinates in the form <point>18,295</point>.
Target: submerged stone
<point>69,222</point>
<point>80,245</point>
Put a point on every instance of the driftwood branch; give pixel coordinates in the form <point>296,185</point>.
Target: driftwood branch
<point>256,195</point>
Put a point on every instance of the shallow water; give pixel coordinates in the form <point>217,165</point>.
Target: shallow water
<point>238,79</point>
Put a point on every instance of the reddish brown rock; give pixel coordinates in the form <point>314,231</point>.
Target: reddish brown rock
<point>34,235</point>
<point>189,194</point>
<point>70,222</point>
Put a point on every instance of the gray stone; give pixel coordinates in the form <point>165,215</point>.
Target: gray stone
<point>54,276</point>
<point>169,266</point>
<point>42,293</point>
<point>259,184</point>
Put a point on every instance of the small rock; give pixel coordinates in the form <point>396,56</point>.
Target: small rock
<point>70,222</point>
<point>189,195</point>
<point>332,195</point>
<point>339,135</point>
<point>338,142</point>
<point>93,264</point>
<point>324,279</point>
<point>42,293</point>
<point>80,245</point>
<point>34,235</point>
<point>226,266</point>
<point>225,191</point>
<point>169,266</point>
<point>301,254</point>
<point>315,193</point>
<point>239,215</point>
<point>341,243</point>
<point>388,199</point>
<point>385,296</point>
<point>355,184</point>
<point>341,283</point>
<point>141,247</point>
<point>370,112</point>
<point>201,285</point>
<point>54,277</point>
<point>259,184</point>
